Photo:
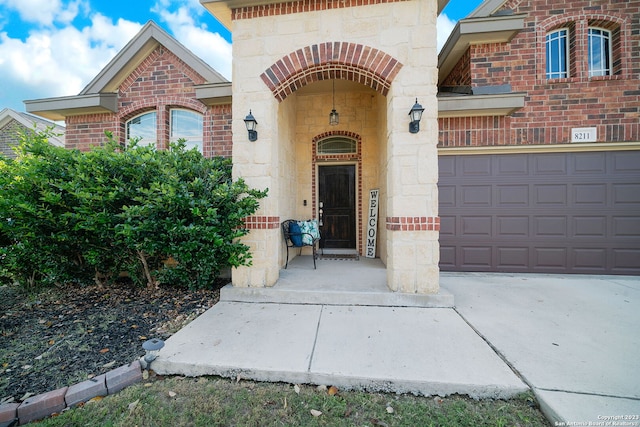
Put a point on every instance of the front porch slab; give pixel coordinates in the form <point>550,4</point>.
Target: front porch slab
<point>335,282</point>
<point>403,349</point>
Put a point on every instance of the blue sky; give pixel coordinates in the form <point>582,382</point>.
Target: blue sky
<point>51,48</point>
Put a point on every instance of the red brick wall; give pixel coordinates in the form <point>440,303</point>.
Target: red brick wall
<point>460,75</point>
<point>161,82</point>
<point>553,107</point>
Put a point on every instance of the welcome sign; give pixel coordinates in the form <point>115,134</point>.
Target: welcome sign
<point>372,224</point>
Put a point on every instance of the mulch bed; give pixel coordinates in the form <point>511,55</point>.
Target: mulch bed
<point>62,336</point>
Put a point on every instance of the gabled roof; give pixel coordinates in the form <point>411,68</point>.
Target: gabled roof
<point>151,35</point>
<point>29,121</point>
<point>100,95</point>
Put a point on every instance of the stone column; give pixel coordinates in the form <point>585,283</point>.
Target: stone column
<point>412,221</point>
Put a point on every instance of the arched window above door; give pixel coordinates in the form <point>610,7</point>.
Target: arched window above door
<point>337,145</point>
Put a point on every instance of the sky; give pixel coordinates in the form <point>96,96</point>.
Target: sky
<point>52,48</point>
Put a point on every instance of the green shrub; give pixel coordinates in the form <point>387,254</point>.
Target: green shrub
<point>166,216</point>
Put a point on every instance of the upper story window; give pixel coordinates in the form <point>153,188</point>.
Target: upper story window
<point>143,127</point>
<point>557,54</point>
<point>187,125</point>
<point>599,52</point>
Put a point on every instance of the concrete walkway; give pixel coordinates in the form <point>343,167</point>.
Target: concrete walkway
<point>573,339</point>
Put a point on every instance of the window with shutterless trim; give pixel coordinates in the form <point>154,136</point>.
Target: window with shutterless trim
<point>557,54</point>
<point>187,125</point>
<point>142,127</point>
<point>599,52</point>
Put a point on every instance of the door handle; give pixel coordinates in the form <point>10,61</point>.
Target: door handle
<point>320,212</point>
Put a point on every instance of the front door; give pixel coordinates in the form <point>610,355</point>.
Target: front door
<point>337,199</point>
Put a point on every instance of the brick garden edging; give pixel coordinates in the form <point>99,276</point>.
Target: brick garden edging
<point>45,404</point>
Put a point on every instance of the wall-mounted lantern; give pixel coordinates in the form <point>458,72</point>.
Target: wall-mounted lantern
<point>251,124</point>
<point>416,116</point>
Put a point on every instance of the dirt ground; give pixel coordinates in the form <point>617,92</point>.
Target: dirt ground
<point>63,336</point>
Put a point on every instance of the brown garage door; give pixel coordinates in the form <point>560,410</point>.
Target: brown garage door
<point>541,213</point>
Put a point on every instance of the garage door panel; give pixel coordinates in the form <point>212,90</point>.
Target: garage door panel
<point>625,162</point>
<point>476,256</point>
<point>510,165</point>
<point>476,166</point>
<point>626,227</point>
<point>447,166</point>
<point>447,195</point>
<point>475,195</point>
<point>448,256</point>
<point>589,259</point>
<point>549,258</point>
<point>476,226</point>
<point>512,226</point>
<point>512,258</point>
<point>540,212</point>
<point>550,194</point>
<point>512,195</point>
<point>590,163</point>
<point>626,193</point>
<point>550,164</point>
<point>625,260</point>
<point>448,225</point>
<point>545,226</point>
<point>590,226</point>
<point>589,195</point>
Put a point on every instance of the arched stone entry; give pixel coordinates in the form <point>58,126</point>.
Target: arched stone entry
<point>331,60</point>
<point>282,72</point>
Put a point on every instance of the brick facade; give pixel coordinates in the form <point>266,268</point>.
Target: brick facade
<point>553,107</point>
<point>9,138</point>
<point>159,83</point>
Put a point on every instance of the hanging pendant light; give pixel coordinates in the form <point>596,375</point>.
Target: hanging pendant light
<point>333,115</point>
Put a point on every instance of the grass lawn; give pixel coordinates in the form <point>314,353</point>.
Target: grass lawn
<point>178,401</point>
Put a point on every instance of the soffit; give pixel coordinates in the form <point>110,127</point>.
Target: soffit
<point>221,9</point>
<point>469,31</point>
<point>59,108</point>
<point>480,105</point>
<point>214,93</point>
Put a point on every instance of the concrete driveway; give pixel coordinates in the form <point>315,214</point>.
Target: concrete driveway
<point>574,339</point>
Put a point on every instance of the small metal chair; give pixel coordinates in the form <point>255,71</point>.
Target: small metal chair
<point>295,240</point>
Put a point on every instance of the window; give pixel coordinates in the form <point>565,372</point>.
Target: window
<point>336,145</point>
<point>187,125</point>
<point>599,52</point>
<point>144,128</point>
<point>557,43</point>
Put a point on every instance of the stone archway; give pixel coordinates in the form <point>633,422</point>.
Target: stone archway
<point>331,60</point>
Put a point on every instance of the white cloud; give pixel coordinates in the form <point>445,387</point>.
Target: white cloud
<point>60,62</point>
<point>444,26</point>
<point>212,48</point>
<point>45,12</point>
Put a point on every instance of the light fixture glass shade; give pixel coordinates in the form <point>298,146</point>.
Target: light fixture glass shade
<point>416,116</point>
<point>250,122</point>
<point>334,117</point>
<point>416,112</point>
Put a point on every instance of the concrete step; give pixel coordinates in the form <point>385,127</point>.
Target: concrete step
<point>280,295</point>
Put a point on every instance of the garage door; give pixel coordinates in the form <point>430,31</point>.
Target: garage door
<point>541,213</point>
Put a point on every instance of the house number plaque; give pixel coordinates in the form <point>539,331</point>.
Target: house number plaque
<point>584,134</point>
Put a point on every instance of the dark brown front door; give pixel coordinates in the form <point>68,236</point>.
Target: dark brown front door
<point>337,199</point>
